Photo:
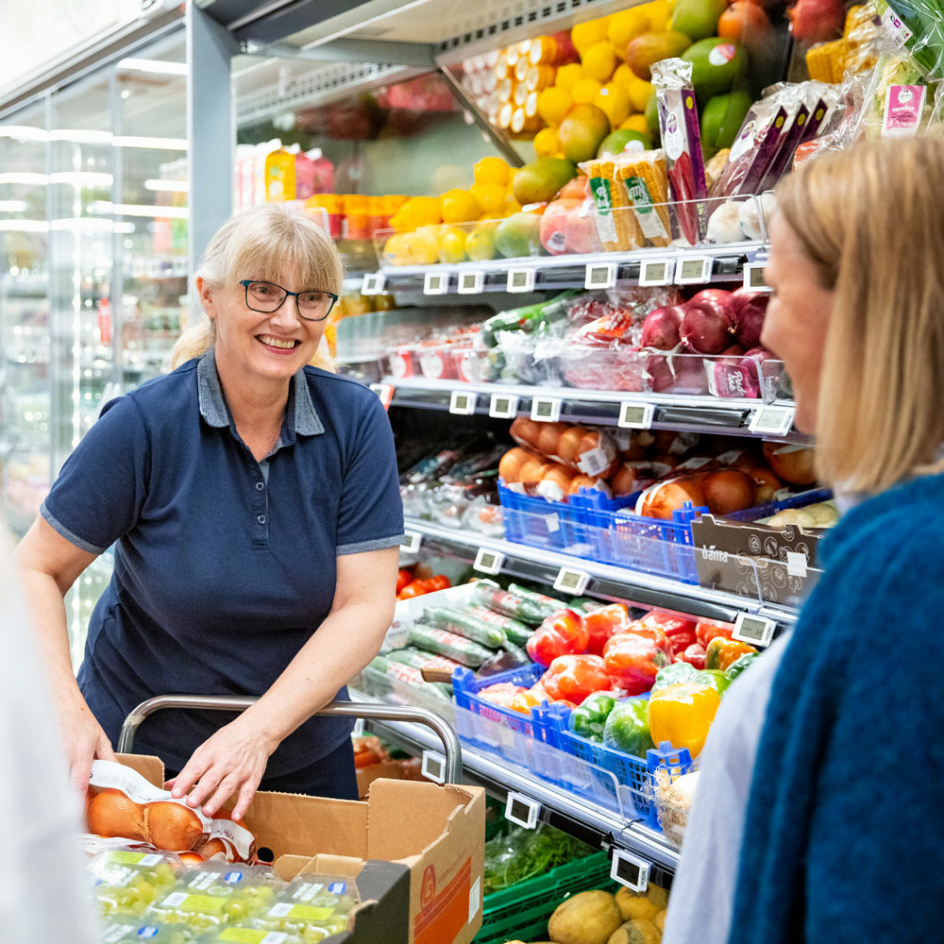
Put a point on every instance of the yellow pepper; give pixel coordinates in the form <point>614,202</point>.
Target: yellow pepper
<point>682,715</point>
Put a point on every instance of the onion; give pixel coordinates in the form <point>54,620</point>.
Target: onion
<point>632,477</point>
<point>589,482</point>
<point>794,464</point>
<point>767,484</point>
<point>661,327</point>
<point>680,373</point>
<point>727,491</point>
<point>525,431</point>
<point>568,444</point>
<point>509,468</point>
<point>548,436</point>
<point>662,499</point>
<point>749,309</point>
<point>734,375</point>
<point>708,325</point>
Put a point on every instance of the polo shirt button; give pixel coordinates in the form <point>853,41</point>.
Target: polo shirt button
<point>261,519</point>
<point>259,486</point>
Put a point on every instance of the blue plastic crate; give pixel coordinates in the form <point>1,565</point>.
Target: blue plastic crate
<point>676,762</point>
<point>540,523</point>
<point>771,508</point>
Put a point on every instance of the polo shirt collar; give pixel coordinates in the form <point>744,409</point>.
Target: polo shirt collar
<point>213,404</point>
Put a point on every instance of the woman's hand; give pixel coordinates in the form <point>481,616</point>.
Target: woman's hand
<point>232,761</point>
<point>85,741</point>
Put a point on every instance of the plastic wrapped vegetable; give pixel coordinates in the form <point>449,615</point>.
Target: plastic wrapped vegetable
<point>634,658</point>
<point>603,623</point>
<point>721,652</point>
<point>589,719</point>
<point>740,664</point>
<point>694,655</point>
<point>706,630</point>
<point>574,677</point>
<point>488,593</point>
<point>562,634</point>
<point>678,630</point>
<point>627,727</point>
<point>527,699</point>
<point>501,693</point>
<point>681,672</point>
<point>456,621</point>
<point>682,714</point>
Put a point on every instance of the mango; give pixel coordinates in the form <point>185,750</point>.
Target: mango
<point>519,235</point>
<point>721,119</point>
<point>716,64</point>
<point>616,142</point>
<point>539,182</point>
<point>650,48</point>
<point>698,19</point>
<point>582,132</point>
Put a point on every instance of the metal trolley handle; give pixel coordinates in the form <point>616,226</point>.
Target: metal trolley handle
<point>452,750</point>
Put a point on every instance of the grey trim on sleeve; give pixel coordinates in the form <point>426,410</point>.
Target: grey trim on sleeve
<point>376,545</point>
<point>60,528</point>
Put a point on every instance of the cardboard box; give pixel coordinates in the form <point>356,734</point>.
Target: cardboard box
<point>415,850</point>
<point>754,561</point>
<point>385,770</point>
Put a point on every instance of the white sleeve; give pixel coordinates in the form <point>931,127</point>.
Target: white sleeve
<point>44,892</point>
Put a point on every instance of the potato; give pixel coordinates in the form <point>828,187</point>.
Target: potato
<point>636,932</point>
<point>585,918</point>
<point>635,905</point>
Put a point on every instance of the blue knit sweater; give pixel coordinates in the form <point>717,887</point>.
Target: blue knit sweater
<point>844,840</point>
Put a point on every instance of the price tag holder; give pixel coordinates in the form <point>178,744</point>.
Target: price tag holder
<point>694,270</point>
<point>489,562</point>
<point>796,564</point>
<point>373,284</point>
<point>772,420</point>
<point>471,283</point>
<point>571,581</point>
<point>411,542</point>
<point>545,409</point>
<point>600,275</point>
<point>754,277</point>
<point>463,402</point>
<point>358,728</point>
<point>522,810</point>
<point>754,630</point>
<point>656,272</point>
<point>630,870</point>
<point>436,283</point>
<point>636,415</point>
<point>434,766</point>
<point>503,406</point>
<point>521,280</point>
<point>385,392</point>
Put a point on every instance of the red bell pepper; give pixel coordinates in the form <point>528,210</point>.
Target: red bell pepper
<point>575,677</point>
<point>634,658</point>
<point>563,634</point>
<point>678,630</point>
<point>694,655</point>
<point>501,693</point>
<point>603,623</point>
<point>404,577</point>
<point>706,630</point>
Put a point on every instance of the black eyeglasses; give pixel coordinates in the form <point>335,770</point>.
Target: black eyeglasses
<point>267,297</point>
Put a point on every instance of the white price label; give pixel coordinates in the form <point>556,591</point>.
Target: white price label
<point>754,630</point>
<point>436,283</point>
<point>503,406</point>
<point>600,275</point>
<point>434,766</point>
<point>545,409</point>
<point>796,564</point>
<point>636,415</point>
<point>656,272</point>
<point>693,270</point>
<point>463,402</point>
<point>571,581</point>
<point>358,728</point>
<point>471,283</point>
<point>754,277</point>
<point>411,541</point>
<point>630,870</point>
<point>521,280</point>
<point>385,392</point>
<point>522,810</point>
<point>489,562</point>
<point>772,420</point>
<point>373,284</point>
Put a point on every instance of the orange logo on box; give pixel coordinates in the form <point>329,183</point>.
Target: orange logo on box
<point>428,891</point>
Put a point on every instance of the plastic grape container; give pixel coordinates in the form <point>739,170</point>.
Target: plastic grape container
<point>125,930</point>
<point>127,883</point>
<point>312,907</point>
<point>240,935</point>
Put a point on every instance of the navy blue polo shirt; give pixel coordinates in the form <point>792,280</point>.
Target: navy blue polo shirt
<point>224,566</point>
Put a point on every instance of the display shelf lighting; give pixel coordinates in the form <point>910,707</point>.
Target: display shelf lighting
<point>104,207</point>
<point>24,177</point>
<point>24,226</point>
<point>23,133</point>
<point>170,186</point>
<point>81,136</point>
<point>82,178</point>
<point>12,206</point>
<point>154,66</point>
<point>140,141</point>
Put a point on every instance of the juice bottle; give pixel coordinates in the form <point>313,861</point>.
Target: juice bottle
<point>323,172</point>
<point>304,176</point>
<point>279,176</point>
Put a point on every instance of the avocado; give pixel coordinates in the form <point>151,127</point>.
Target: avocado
<point>716,64</point>
<point>721,119</point>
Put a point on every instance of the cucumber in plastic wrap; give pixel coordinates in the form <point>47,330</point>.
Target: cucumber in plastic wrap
<point>409,676</point>
<point>441,643</point>
<point>465,624</point>
<point>517,633</point>
<point>488,593</point>
<point>548,605</point>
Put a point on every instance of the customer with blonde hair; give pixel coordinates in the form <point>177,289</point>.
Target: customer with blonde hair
<point>820,810</point>
<point>254,507</point>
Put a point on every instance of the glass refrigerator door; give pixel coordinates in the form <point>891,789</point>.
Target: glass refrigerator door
<point>24,319</point>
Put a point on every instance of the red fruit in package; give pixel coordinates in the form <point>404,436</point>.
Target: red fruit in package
<point>678,630</point>
<point>603,624</point>
<point>706,630</point>
<point>694,655</point>
<point>573,678</point>
<point>634,658</point>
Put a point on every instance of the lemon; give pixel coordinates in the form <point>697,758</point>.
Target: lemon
<point>423,245</point>
<point>613,100</point>
<point>585,91</point>
<point>636,123</point>
<point>658,13</point>
<point>624,76</point>
<point>553,105</point>
<point>599,61</point>
<point>625,26</point>
<point>402,222</point>
<point>480,245</point>
<point>585,35</point>
<point>490,197</point>
<point>491,170</point>
<point>452,245</point>
<point>546,142</point>
<point>568,76</point>
<point>458,206</point>
<point>424,211</point>
<point>639,92</point>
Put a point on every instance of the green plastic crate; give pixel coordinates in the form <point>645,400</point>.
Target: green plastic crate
<point>522,911</point>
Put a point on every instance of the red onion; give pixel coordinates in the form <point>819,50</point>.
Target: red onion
<point>749,309</point>
<point>708,326</point>
<point>678,373</point>
<point>661,327</point>
<point>735,375</point>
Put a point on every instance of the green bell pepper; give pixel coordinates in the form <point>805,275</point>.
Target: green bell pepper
<point>674,674</point>
<point>713,677</point>
<point>627,728</point>
<point>739,665</point>
<point>589,719</point>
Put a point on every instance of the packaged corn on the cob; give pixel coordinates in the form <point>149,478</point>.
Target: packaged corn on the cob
<point>826,62</point>
<point>616,225</point>
<point>646,180</point>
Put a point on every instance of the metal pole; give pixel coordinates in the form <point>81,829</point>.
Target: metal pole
<point>452,750</point>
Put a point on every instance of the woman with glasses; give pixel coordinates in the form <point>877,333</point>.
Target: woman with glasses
<point>254,509</point>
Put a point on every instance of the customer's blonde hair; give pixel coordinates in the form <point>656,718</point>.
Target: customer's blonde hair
<point>260,243</point>
<point>872,221</point>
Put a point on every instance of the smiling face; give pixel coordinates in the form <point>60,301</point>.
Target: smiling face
<point>797,318</point>
<point>269,346</point>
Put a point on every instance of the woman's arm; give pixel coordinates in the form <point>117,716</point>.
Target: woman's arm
<point>234,759</point>
<point>49,565</point>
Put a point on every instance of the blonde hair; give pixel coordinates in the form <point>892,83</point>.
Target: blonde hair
<point>871,219</point>
<point>260,243</point>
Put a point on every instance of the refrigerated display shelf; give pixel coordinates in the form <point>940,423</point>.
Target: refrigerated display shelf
<point>606,580</point>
